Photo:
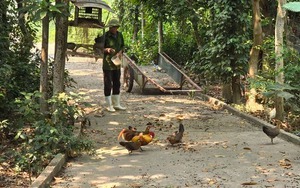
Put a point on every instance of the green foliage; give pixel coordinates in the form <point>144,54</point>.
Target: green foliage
<point>179,48</point>
<point>279,90</point>
<point>68,81</point>
<point>226,50</point>
<point>38,27</point>
<point>66,108</point>
<point>44,137</point>
<point>4,125</point>
<point>292,77</point>
<point>265,81</point>
<point>36,138</point>
<point>19,68</point>
<point>292,6</point>
<point>268,90</point>
<point>37,10</point>
<point>28,107</point>
<point>145,47</point>
<point>142,50</point>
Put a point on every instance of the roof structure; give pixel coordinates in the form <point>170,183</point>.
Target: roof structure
<point>92,3</point>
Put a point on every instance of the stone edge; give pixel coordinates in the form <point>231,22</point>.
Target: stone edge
<point>54,167</point>
<point>253,120</point>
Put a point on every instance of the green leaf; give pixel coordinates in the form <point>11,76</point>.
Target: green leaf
<point>269,94</point>
<point>54,9</point>
<point>17,135</point>
<point>43,14</point>
<point>285,95</point>
<point>22,136</point>
<point>292,6</point>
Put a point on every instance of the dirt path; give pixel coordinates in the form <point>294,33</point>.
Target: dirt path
<point>218,150</point>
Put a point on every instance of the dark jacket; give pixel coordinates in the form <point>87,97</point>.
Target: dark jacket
<point>117,43</point>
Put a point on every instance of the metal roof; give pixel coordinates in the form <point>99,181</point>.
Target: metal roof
<point>92,3</point>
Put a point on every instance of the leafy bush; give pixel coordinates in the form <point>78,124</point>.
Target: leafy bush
<point>225,53</point>
<point>179,46</point>
<point>144,50</point>
<point>265,81</point>
<point>19,68</point>
<point>44,137</point>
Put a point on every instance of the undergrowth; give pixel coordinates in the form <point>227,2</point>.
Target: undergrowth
<point>39,138</point>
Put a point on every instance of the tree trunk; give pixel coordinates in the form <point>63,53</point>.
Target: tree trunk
<point>269,13</point>
<point>142,21</point>
<point>227,92</point>
<point>279,78</point>
<point>255,52</point>
<point>160,36</point>
<point>44,65</point>
<point>4,52</point>
<point>136,23</point>
<point>60,49</point>
<point>196,33</point>
<point>236,89</point>
<point>194,20</point>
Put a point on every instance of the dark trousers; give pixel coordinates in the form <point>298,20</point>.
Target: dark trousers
<point>112,82</point>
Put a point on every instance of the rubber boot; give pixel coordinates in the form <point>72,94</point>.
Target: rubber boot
<point>116,102</point>
<point>110,107</point>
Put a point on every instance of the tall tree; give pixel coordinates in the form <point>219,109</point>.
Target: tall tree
<point>160,25</point>
<point>160,35</point>
<point>44,63</point>
<point>136,23</point>
<point>279,78</point>
<point>61,34</point>
<point>255,52</point>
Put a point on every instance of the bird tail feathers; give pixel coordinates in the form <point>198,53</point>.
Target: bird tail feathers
<point>181,128</point>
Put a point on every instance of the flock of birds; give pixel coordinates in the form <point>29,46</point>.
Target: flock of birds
<point>134,140</point>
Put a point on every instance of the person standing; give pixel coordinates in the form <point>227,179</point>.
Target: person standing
<point>113,46</point>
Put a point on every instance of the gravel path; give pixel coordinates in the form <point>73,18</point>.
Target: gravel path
<point>218,149</point>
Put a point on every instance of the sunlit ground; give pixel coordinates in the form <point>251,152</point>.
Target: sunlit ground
<point>218,149</point>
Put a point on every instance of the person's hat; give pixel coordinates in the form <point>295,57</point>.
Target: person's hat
<point>113,23</point>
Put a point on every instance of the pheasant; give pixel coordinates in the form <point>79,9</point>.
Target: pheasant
<point>272,132</point>
<point>145,139</point>
<point>131,146</point>
<point>130,133</point>
<point>177,136</point>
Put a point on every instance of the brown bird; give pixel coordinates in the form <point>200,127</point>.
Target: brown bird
<point>145,139</point>
<point>272,132</point>
<point>147,130</point>
<point>131,146</point>
<point>127,134</point>
<point>130,133</point>
<point>177,136</point>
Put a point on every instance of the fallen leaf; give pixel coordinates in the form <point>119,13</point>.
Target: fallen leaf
<point>57,178</point>
<point>285,163</point>
<point>249,183</point>
<point>212,181</point>
<point>220,156</point>
<point>205,170</point>
<point>180,117</point>
<point>272,180</point>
